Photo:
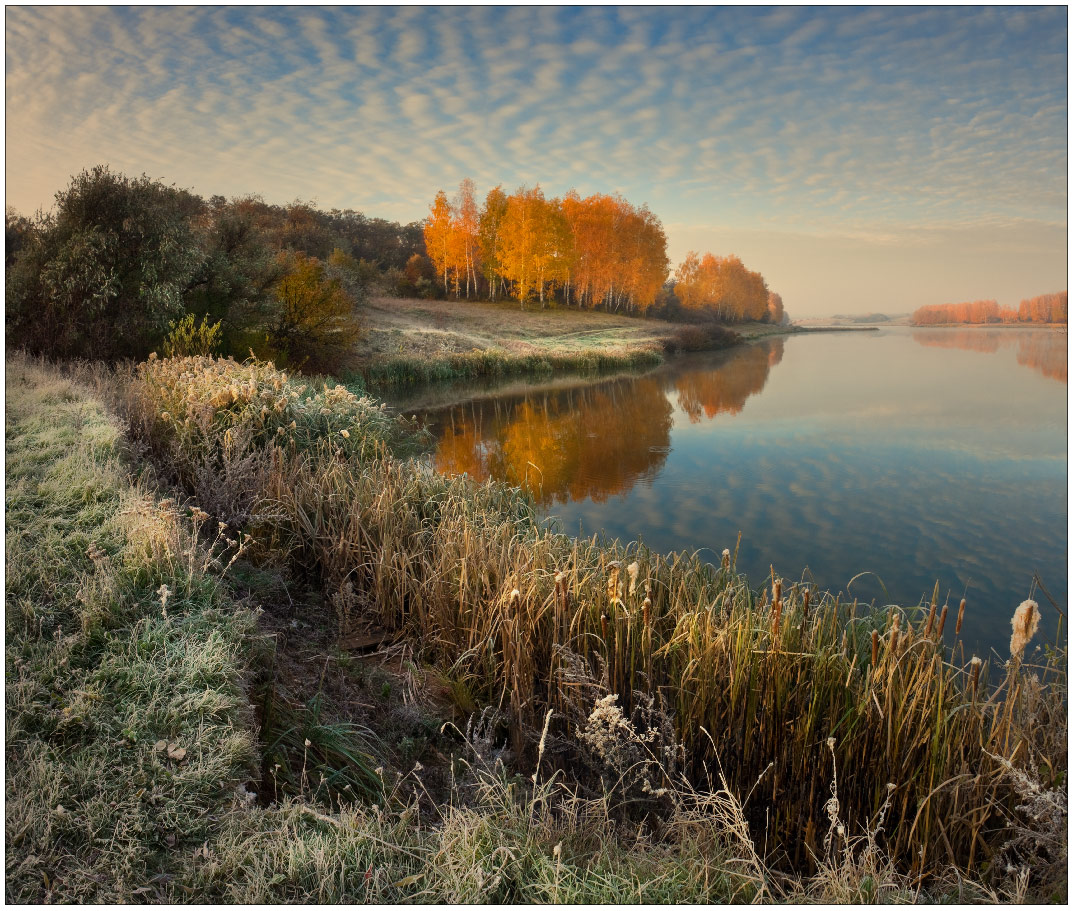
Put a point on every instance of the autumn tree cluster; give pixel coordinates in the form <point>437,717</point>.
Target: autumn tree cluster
<point>593,252</point>
<point>596,251</point>
<point>1047,308</point>
<point>723,286</point>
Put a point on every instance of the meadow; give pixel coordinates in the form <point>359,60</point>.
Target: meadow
<point>496,711</point>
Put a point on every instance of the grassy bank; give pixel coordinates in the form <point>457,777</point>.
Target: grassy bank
<point>407,342</point>
<point>689,738</point>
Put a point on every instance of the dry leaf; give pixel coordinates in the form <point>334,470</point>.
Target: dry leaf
<point>160,746</point>
<point>176,752</point>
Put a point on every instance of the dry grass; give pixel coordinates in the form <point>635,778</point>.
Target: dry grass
<point>408,341</point>
<point>756,681</point>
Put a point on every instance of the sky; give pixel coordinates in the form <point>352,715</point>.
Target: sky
<point>862,159</point>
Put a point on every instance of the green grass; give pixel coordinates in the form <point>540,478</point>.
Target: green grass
<point>99,670</point>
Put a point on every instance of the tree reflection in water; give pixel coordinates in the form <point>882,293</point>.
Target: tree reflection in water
<point>1044,351</point>
<point>599,440</point>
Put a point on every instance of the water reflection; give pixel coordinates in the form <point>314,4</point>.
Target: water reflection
<point>574,444</point>
<point>595,441</point>
<point>1044,351</point>
<point>858,452</point>
<point>724,389</point>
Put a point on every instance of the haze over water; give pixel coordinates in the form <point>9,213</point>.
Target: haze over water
<point>914,455</point>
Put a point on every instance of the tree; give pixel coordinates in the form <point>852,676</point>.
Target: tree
<point>488,233</point>
<point>234,281</point>
<point>467,226</point>
<point>722,286</point>
<point>439,236</point>
<point>105,273</point>
<point>312,325</point>
<point>775,308</point>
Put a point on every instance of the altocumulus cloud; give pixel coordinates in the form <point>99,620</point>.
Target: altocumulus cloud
<point>795,117</point>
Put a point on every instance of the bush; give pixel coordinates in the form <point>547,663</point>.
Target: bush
<point>311,323</point>
<point>703,337</point>
<point>187,339</point>
<point>104,275</point>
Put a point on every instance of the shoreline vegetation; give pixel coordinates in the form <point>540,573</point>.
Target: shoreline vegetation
<point>257,653</point>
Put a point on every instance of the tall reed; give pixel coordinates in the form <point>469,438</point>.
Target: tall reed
<point>532,620</point>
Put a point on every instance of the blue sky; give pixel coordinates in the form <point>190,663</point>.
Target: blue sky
<point>860,158</point>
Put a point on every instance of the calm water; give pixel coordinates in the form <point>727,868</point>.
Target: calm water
<point>912,455</point>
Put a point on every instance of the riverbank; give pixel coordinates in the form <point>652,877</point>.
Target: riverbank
<point>598,678</point>
<point>409,342</point>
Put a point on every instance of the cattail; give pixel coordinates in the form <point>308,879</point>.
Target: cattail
<point>646,605</point>
<point>943,620</point>
<point>895,635</point>
<point>725,561</point>
<point>932,619</point>
<point>777,613</point>
<point>632,571</point>
<point>975,670</point>
<point>604,626</point>
<point>805,604</point>
<point>876,646</point>
<point>1024,623</point>
<point>613,582</point>
<point>777,589</point>
<point>961,611</point>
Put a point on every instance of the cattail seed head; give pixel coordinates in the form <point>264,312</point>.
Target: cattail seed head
<point>632,571</point>
<point>975,670</point>
<point>725,560</point>
<point>961,611</point>
<point>876,646</point>
<point>932,619</point>
<point>1024,625</point>
<point>646,606</point>
<point>805,604</point>
<point>604,625</point>
<point>943,620</point>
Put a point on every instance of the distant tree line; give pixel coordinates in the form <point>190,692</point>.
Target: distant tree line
<point>593,252</point>
<point>1046,308</point>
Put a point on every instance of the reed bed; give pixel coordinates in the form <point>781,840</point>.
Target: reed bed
<point>772,688</point>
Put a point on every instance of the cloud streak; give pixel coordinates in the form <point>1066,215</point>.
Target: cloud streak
<point>794,117</point>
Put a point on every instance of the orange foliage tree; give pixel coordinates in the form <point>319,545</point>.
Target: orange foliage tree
<point>600,251</point>
<point>440,241</point>
<point>1047,308</point>
<point>723,286</point>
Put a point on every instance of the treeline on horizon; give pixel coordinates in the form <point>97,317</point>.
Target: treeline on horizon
<point>122,266</point>
<point>1045,308</point>
<point>593,252</point>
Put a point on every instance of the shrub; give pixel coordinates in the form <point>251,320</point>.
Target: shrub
<point>311,324</point>
<point>187,339</point>
<point>701,337</point>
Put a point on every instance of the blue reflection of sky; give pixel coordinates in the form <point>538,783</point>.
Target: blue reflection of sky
<point>869,453</point>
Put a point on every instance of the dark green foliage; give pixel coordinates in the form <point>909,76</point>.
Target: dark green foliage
<point>105,273</point>
<point>234,282</point>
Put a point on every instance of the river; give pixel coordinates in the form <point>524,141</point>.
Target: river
<point>909,455</point>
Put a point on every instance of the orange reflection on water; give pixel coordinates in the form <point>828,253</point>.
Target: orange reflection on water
<point>595,441</point>
<point>724,390</point>
<point>1045,352</point>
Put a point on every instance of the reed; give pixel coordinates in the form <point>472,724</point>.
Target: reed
<point>535,621</point>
